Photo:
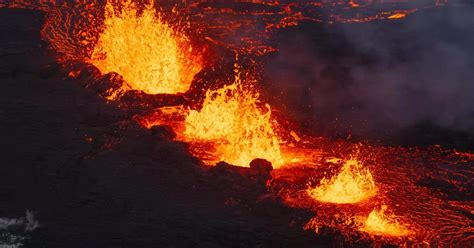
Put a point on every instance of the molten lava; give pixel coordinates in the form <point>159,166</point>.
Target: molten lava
<point>398,15</point>
<point>382,222</point>
<point>151,55</point>
<point>234,119</point>
<point>353,184</point>
<point>430,188</point>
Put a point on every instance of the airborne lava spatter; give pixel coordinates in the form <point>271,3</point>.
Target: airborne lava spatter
<point>354,183</point>
<point>156,57</point>
<point>234,119</point>
<point>151,55</point>
<point>382,222</point>
<point>424,214</point>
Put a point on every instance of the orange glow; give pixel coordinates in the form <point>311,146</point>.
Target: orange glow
<point>353,4</point>
<point>398,15</point>
<point>234,120</point>
<point>353,184</point>
<point>150,54</point>
<point>428,187</point>
<point>172,116</point>
<point>381,222</point>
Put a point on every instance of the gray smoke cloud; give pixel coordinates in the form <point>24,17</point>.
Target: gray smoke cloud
<point>375,79</point>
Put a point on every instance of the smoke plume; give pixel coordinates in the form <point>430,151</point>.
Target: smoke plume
<point>376,79</point>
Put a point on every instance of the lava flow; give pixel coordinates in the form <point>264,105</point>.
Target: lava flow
<point>428,189</point>
<point>408,182</point>
<point>150,54</point>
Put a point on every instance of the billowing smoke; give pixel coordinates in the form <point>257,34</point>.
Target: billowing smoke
<point>378,79</point>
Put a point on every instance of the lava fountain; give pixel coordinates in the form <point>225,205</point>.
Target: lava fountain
<point>384,223</point>
<point>150,54</point>
<point>237,123</point>
<point>353,184</point>
<point>430,188</point>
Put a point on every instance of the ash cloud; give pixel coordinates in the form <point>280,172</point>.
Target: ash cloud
<point>378,79</point>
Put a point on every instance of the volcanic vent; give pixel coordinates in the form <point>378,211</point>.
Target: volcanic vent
<point>238,123</point>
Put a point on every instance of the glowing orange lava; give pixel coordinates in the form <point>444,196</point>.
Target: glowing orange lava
<point>382,222</point>
<point>353,184</point>
<point>398,15</point>
<point>353,4</point>
<point>429,188</point>
<point>150,54</point>
<point>239,125</point>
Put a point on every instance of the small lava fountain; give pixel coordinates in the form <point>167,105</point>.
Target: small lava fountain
<point>237,122</point>
<point>354,183</point>
<point>432,188</point>
<point>382,222</point>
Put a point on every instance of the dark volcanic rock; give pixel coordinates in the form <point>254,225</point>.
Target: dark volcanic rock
<point>453,192</point>
<point>163,132</point>
<point>138,98</point>
<point>97,180</point>
<point>261,165</point>
<point>108,83</point>
<point>261,169</point>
